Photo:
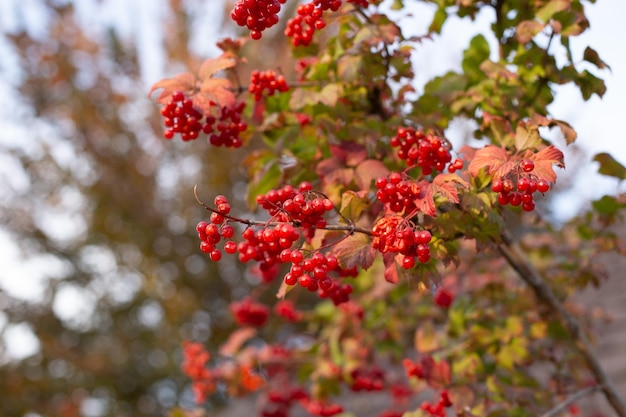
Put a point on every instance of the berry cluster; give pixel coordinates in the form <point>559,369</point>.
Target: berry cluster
<point>399,194</point>
<point>427,151</point>
<point>194,365</point>
<point>456,165</point>
<point>367,379</point>
<point>229,127</point>
<point>247,312</point>
<point>287,310</point>
<point>359,3</point>
<point>211,234</point>
<point>301,206</point>
<point>394,234</point>
<point>180,116</point>
<point>256,15</point>
<point>266,81</point>
<point>279,402</point>
<point>443,297</point>
<point>437,410</point>
<point>265,245</point>
<point>303,26</point>
<point>319,408</point>
<point>310,273</point>
<point>519,186</point>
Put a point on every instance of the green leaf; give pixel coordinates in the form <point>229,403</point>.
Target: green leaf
<point>439,19</point>
<point>589,85</point>
<point>607,206</point>
<point>477,52</point>
<point>551,8</point>
<point>609,166</point>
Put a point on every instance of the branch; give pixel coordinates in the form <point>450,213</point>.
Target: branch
<point>527,272</point>
<point>350,228</point>
<point>562,406</point>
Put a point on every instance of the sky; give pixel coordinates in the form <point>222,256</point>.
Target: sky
<point>597,121</point>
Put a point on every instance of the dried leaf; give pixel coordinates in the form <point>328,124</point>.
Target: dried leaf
<point>527,29</point>
<point>219,91</point>
<point>355,250</point>
<point>544,161</point>
<point>591,55</point>
<point>526,136</point>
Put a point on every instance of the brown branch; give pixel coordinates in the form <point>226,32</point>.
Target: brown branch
<point>350,228</point>
<point>529,274</point>
<point>562,406</point>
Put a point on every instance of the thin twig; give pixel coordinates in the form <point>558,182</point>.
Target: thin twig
<point>562,406</point>
<point>527,272</point>
<point>350,228</point>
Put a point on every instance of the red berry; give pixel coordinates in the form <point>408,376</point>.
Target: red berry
<point>543,186</point>
<point>527,165</point>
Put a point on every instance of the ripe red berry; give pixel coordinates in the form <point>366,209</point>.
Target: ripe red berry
<point>527,165</point>
<point>543,186</point>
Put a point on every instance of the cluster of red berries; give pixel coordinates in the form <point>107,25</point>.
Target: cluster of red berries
<point>256,15</point>
<point>519,186</point>
<point>211,233</point>
<point>287,310</point>
<point>180,116</point>
<point>367,379</point>
<point>437,410</point>
<point>266,81</point>
<point>310,273</point>
<point>337,293</point>
<point>427,151</point>
<point>229,127</point>
<point>301,205</point>
<point>319,408</point>
<point>279,402</point>
<point>302,27</point>
<point>394,234</point>
<point>266,245</point>
<point>247,312</point>
<point>398,193</point>
<point>195,358</point>
<point>456,165</point>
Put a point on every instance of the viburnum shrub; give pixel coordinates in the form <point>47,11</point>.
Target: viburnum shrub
<point>395,256</point>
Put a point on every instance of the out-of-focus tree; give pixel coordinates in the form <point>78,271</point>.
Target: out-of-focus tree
<point>111,211</point>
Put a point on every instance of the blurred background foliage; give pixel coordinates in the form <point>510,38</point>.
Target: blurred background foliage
<point>99,213</point>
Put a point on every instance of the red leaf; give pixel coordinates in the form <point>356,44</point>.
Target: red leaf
<point>219,91</point>
<point>446,185</point>
<point>185,82</point>
<point>214,65</point>
<point>544,161</point>
<point>494,159</point>
<point>425,202</point>
<point>391,272</point>
<point>437,374</point>
<point>356,250</point>
<point>368,171</point>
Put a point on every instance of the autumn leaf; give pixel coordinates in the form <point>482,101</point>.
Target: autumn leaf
<point>353,204</point>
<point>219,91</point>
<point>436,373</point>
<point>544,161</point>
<point>185,82</point>
<point>355,250</point>
<point>526,136</point>
<point>391,272</point>
<point>214,65</point>
<point>494,159</point>
<point>368,171</point>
